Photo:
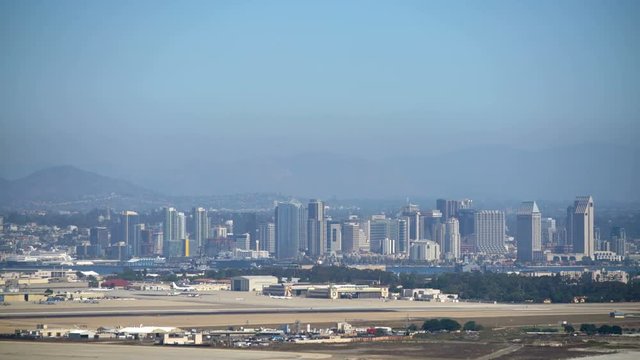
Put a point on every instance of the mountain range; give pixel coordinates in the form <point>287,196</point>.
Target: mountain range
<point>606,172</point>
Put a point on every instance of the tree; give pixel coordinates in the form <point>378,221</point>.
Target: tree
<point>444,324</point>
<point>412,327</point>
<point>431,325</point>
<point>471,326</point>
<point>604,329</point>
<point>48,292</point>
<point>569,329</point>
<point>615,329</point>
<point>449,325</point>
<point>589,329</point>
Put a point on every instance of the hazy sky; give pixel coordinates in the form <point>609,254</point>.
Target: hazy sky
<point>124,86</point>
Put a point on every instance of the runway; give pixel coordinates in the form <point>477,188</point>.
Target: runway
<point>185,312</point>
<point>228,308</point>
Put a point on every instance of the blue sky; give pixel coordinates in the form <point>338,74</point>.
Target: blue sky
<point>115,84</point>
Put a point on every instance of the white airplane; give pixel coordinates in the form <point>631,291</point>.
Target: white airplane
<point>182,288</point>
<point>280,297</point>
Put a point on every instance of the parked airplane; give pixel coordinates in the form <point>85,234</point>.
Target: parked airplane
<point>182,288</point>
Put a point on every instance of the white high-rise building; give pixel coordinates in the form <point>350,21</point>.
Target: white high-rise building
<point>334,237</point>
<point>181,228</point>
<point>350,237</point>
<point>548,230</point>
<point>452,239</point>
<point>529,232</point>
<point>490,232</point>
<point>267,237</point>
<point>200,228</point>
<point>169,231</point>
<point>424,250</point>
<point>388,247</point>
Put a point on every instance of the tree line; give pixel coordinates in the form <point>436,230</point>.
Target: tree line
<point>517,288</point>
<point>469,286</point>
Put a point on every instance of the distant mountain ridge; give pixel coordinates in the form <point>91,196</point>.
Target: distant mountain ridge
<point>609,172</point>
<point>481,173</point>
<point>68,185</point>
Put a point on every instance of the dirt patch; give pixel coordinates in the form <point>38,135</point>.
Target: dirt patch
<point>548,352</point>
<point>386,350</point>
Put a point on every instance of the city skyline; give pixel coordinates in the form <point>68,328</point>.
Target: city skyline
<point>320,178</point>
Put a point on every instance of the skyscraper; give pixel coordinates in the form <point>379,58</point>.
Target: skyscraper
<point>267,237</point>
<point>152,242</point>
<point>582,229</point>
<point>452,239</point>
<point>619,241</point>
<point>529,232</point>
<point>429,220</point>
<point>137,239</point>
<point>400,234</point>
<point>128,222</point>
<point>334,237</point>
<point>490,232</point>
<point>200,229</point>
<point>350,237</point>
<point>467,219</point>
<point>548,230</point>
<point>411,213</point>
<point>99,236</point>
<point>316,228</point>
<point>246,222</point>
<point>378,232</point>
<point>181,228</point>
<point>450,208</point>
<point>169,231</point>
<point>290,226</point>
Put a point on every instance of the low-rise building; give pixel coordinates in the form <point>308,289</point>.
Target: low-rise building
<point>181,338</point>
<point>347,292</point>
<point>21,297</point>
<point>252,283</point>
<point>428,294</point>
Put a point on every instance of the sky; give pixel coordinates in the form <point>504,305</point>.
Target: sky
<point>148,90</point>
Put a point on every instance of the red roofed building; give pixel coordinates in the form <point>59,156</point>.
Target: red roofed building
<point>115,283</point>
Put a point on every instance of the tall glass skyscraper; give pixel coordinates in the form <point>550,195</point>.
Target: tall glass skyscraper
<point>316,228</point>
<point>290,229</point>
<point>582,226</point>
<point>529,232</point>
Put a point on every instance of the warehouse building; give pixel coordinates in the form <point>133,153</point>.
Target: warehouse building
<point>252,283</point>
